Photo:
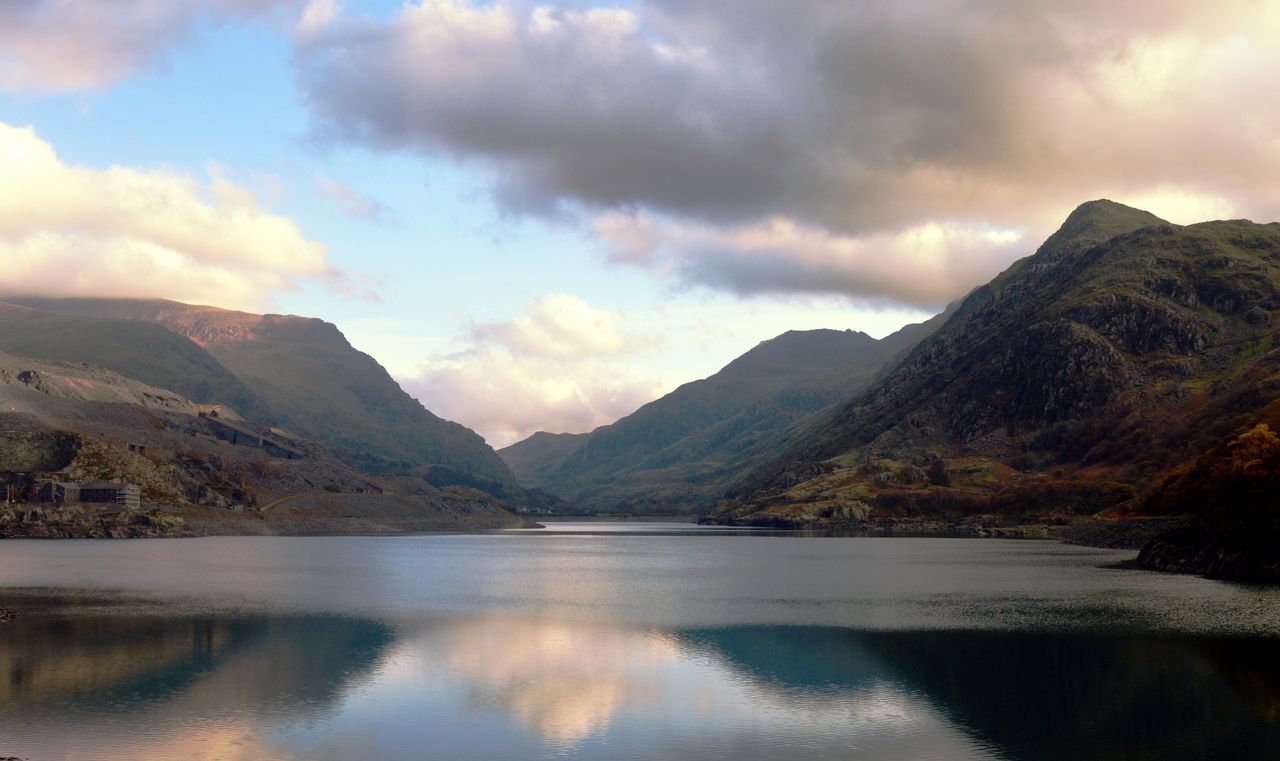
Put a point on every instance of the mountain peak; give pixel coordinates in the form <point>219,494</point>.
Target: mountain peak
<point>1102,219</point>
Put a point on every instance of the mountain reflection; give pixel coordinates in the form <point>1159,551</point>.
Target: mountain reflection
<point>499,686</point>
<point>1039,695</point>
<point>264,662</point>
<point>152,686</point>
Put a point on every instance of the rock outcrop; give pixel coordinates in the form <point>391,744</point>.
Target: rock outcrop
<point>1234,552</point>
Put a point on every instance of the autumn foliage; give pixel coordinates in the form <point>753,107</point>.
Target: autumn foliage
<point>1242,476</point>
<point>1253,466</point>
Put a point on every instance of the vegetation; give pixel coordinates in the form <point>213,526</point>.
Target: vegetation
<point>1238,478</point>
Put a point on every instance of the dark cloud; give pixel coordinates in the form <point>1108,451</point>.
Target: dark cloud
<point>856,118</point>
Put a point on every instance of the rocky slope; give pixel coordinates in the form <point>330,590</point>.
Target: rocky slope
<point>199,474</point>
<point>83,382</point>
<point>680,452</point>
<point>1070,384</point>
<point>302,371</point>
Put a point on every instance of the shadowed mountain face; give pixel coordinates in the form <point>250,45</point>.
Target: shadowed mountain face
<point>681,451</point>
<point>536,459</point>
<point>301,371</point>
<point>1071,382</point>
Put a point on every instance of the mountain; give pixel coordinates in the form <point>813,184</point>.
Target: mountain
<point>199,469</point>
<point>298,372</point>
<point>141,351</point>
<point>535,460</point>
<point>680,452</point>
<point>1077,381</point>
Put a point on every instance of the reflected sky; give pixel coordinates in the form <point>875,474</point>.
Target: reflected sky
<point>626,646</point>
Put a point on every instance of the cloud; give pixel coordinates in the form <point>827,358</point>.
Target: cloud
<point>352,203</point>
<point>69,230</point>
<point>559,326</point>
<point>920,266</point>
<point>857,123</point>
<point>316,15</point>
<point>59,45</point>
<point>561,366</point>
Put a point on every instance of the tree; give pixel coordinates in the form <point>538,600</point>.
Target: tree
<point>1251,470</point>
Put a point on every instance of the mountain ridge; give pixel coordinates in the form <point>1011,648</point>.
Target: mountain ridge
<point>679,452</point>
<point>1068,384</point>
<point>310,379</point>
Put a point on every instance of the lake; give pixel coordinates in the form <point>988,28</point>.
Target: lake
<point>626,641</point>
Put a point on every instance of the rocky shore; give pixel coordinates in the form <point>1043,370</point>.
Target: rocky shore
<point>1091,532</point>
<point>454,509</point>
<point>1235,553</point>
<point>78,522</point>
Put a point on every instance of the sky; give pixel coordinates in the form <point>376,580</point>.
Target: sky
<point>541,216</point>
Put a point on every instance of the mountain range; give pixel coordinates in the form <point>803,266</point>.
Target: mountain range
<point>1127,368</point>
<point>680,452</point>
<point>1077,381</point>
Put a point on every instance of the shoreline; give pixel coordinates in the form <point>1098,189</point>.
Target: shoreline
<point>1088,532</point>
<point>321,516</point>
<point>165,522</point>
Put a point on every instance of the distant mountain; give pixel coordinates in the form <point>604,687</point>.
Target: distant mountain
<point>680,452</point>
<point>535,460</point>
<point>298,372</point>
<point>1078,380</point>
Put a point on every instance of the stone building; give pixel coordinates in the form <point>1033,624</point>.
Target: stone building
<point>127,496</point>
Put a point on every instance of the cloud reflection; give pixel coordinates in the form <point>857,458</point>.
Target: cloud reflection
<point>581,685</point>
<point>566,682</point>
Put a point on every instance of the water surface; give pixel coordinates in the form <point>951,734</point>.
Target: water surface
<point>617,641</point>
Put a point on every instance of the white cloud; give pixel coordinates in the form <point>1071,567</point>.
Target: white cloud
<point>57,45</point>
<point>559,326</point>
<point>562,366</point>
<point>68,230</point>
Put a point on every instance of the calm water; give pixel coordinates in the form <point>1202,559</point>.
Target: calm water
<point>626,641</point>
